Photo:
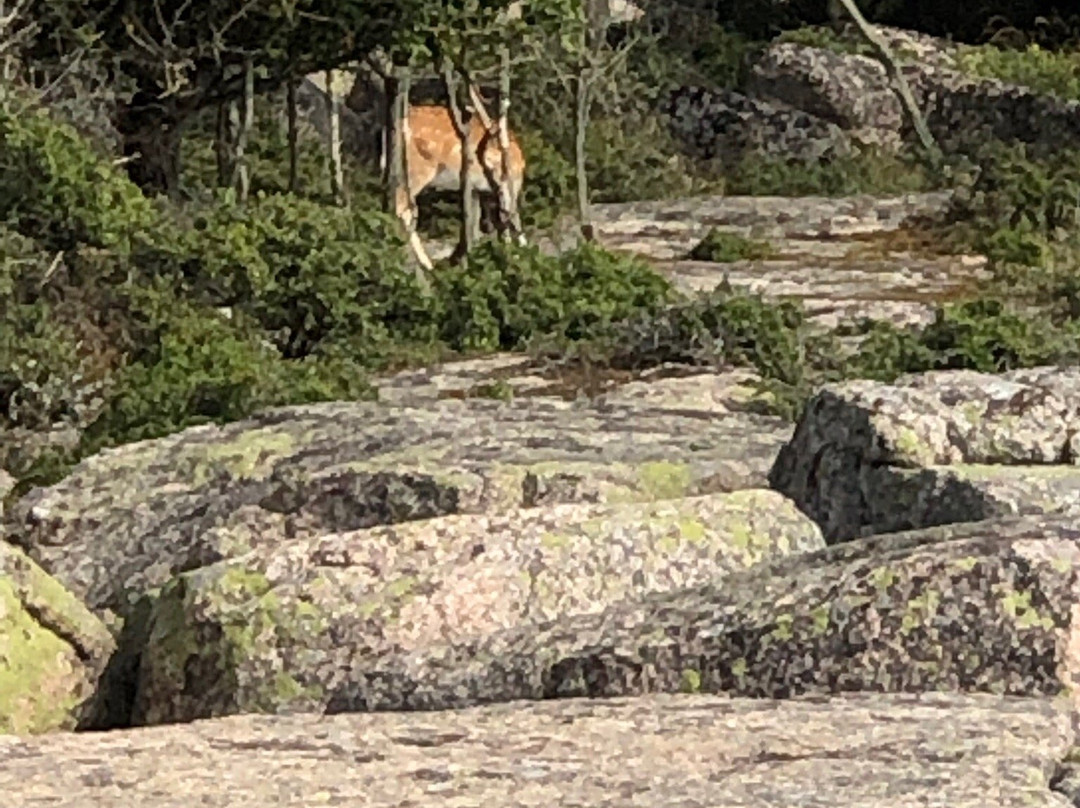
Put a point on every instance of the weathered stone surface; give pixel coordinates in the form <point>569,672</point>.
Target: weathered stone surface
<point>986,607</point>
<point>52,649</point>
<point>7,485</point>
<point>849,91</point>
<point>869,751</point>
<point>905,290</point>
<point>963,111</point>
<point>854,93</point>
<point>128,519</point>
<point>870,457</point>
<point>768,217</point>
<point>284,627</point>
<point>725,125</point>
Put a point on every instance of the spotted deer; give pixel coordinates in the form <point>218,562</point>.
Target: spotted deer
<point>433,158</point>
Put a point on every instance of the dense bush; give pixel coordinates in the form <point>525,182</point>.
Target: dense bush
<point>57,187</point>
<point>865,172</point>
<point>1044,71</point>
<point>504,296</point>
<point>306,273</point>
<point>1020,210</point>
<point>723,247</point>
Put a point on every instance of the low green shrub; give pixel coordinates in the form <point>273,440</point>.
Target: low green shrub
<point>1020,205</point>
<point>307,273</point>
<point>722,329</point>
<point>1044,71</point>
<point>504,296</point>
<point>203,366</point>
<point>722,247</point>
<point>824,37</point>
<point>793,356</point>
<point>56,187</point>
<point>635,158</point>
<point>865,172</point>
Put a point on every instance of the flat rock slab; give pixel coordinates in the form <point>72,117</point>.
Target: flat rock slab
<point>52,650</point>
<point>903,290</point>
<point>128,519</point>
<point>511,375</point>
<point>864,751</point>
<point>286,626</point>
<point>991,606</point>
<point>773,216</point>
<point>869,457</point>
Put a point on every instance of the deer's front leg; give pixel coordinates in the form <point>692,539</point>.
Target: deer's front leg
<point>405,208</point>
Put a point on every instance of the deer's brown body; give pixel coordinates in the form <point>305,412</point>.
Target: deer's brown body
<point>434,157</point>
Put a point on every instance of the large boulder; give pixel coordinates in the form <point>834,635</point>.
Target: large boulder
<point>986,607</point>
<point>940,447</point>
<point>865,750</point>
<point>854,92</point>
<point>964,112</point>
<point>725,125</point>
<point>128,519</point>
<point>287,626</point>
<point>52,650</point>
<point>847,90</point>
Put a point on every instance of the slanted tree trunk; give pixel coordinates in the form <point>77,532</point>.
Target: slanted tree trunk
<point>337,171</point>
<point>291,112</point>
<point>399,195</point>
<point>892,68</point>
<point>470,204</point>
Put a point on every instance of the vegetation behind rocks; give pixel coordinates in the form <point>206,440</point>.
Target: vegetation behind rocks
<point>129,317</point>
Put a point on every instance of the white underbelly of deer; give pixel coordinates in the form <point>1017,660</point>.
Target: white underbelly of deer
<point>448,178</point>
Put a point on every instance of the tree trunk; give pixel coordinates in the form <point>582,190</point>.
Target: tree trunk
<point>394,163</point>
<point>581,128</point>
<point>241,177</point>
<point>223,142</point>
<point>399,195</point>
<point>899,82</point>
<point>337,172</point>
<point>290,102</point>
<point>470,204</point>
<point>152,142</point>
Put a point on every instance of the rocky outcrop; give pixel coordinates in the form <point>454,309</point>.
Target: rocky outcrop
<point>287,626</point>
<point>814,100</point>
<point>990,606</point>
<point>726,125</point>
<point>126,520</point>
<point>941,447</point>
<point>849,91</point>
<point>871,751</point>
<point>963,111</point>
<point>52,650</point>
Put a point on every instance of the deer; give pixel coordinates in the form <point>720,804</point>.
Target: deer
<point>433,153</point>
<point>433,158</point>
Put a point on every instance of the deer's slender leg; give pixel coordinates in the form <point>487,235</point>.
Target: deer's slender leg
<point>509,196</point>
<point>405,209</point>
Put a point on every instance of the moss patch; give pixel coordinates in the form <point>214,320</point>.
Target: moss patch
<point>664,480</point>
<point>250,456</point>
<point>39,673</point>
